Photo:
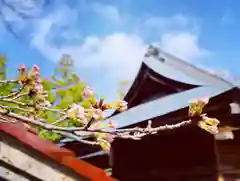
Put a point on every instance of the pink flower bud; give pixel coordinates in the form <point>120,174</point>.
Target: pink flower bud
<point>36,68</point>
<point>112,124</point>
<point>22,68</point>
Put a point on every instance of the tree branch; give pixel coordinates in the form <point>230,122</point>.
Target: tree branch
<point>16,108</point>
<point>53,110</point>
<point>117,133</point>
<point>15,102</point>
<point>76,137</point>
<point>8,81</point>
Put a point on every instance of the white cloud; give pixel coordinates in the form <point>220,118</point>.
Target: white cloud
<point>44,33</point>
<point>183,45</point>
<point>40,41</point>
<point>120,53</point>
<point>108,12</point>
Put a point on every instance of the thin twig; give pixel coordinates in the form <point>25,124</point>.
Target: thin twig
<point>52,110</point>
<point>40,122</point>
<point>75,137</point>
<point>8,81</point>
<point>157,129</point>
<point>16,102</point>
<point>58,121</point>
<point>5,120</point>
<point>16,108</point>
<point>89,123</point>
<point>20,95</point>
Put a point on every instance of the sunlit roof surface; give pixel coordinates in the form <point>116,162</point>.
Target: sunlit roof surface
<point>164,105</point>
<point>170,72</point>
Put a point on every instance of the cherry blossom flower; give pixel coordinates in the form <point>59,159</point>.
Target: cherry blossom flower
<point>77,111</point>
<point>210,121</point>
<point>121,105</point>
<point>97,114</point>
<point>209,125</point>
<point>196,106</point>
<point>87,92</point>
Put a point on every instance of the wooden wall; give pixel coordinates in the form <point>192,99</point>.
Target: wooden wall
<point>185,154</point>
<point>229,157</point>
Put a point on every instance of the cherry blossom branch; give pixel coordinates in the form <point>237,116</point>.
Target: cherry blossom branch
<point>88,114</point>
<point>79,133</point>
<point>118,132</point>
<point>52,110</point>
<point>76,137</point>
<point>39,122</point>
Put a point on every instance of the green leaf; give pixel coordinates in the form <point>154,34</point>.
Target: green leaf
<point>61,82</point>
<point>47,85</point>
<point>51,97</point>
<point>49,135</point>
<point>75,77</point>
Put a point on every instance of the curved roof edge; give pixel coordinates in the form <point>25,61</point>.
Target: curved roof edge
<point>176,69</point>
<point>170,72</point>
<point>190,69</point>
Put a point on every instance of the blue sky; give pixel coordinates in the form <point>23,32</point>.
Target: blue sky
<point>108,38</point>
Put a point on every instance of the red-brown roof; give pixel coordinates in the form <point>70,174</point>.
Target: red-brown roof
<point>61,155</point>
